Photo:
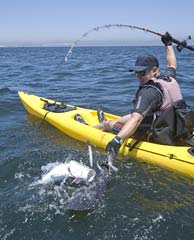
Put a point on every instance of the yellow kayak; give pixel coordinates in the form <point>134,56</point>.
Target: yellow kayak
<point>177,158</point>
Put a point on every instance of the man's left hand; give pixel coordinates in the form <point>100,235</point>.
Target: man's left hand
<point>167,39</point>
<point>113,146</point>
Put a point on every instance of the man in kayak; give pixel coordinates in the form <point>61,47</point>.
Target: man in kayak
<point>154,96</point>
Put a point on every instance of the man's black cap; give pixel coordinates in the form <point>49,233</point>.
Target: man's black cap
<point>144,62</point>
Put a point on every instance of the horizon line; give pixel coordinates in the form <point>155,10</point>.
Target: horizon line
<point>86,43</point>
<point>81,46</point>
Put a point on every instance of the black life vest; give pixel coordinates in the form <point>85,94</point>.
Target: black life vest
<point>172,126</point>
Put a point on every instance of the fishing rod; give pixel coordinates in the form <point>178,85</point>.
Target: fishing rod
<point>180,44</point>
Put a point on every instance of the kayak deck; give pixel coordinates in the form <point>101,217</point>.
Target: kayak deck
<point>177,158</point>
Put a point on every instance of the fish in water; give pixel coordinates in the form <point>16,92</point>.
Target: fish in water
<point>72,169</point>
<point>86,198</point>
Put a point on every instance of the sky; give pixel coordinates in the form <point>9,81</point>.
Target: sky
<point>52,22</point>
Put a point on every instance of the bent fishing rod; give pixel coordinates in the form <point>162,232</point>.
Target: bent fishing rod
<point>180,44</point>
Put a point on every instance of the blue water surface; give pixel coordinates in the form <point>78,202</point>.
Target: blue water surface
<point>142,201</point>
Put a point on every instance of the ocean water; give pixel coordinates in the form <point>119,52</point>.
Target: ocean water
<point>141,201</point>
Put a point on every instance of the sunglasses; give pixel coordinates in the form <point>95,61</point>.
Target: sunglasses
<point>140,74</point>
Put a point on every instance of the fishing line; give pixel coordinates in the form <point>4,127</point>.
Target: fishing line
<point>180,44</point>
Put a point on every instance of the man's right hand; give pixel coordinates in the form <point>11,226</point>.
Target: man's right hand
<point>167,39</point>
<point>113,146</point>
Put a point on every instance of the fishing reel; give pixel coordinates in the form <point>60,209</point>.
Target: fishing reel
<point>183,44</point>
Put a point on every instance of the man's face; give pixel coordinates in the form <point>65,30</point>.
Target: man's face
<point>145,76</point>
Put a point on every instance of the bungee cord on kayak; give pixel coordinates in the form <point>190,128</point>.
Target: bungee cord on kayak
<point>180,44</point>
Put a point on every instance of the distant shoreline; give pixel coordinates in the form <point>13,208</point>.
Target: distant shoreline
<point>53,46</point>
<point>96,43</point>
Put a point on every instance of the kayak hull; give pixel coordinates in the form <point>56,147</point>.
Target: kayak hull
<point>176,158</point>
